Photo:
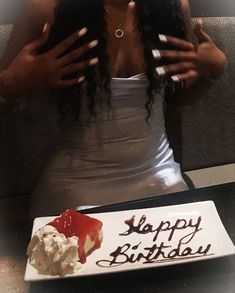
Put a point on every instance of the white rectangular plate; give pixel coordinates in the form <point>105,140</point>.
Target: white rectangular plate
<point>157,237</point>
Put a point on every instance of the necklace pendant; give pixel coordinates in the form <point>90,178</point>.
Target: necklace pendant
<point>119,33</point>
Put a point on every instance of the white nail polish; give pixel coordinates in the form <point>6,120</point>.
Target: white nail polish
<point>45,27</point>
<point>93,44</point>
<point>156,54</point>
<point>160,71</point>
<point>131,3</point>
<point>94,61</point>
<point>175,78</point>
<point>162,38</point>
<point>200,21</point>
<point>82,32</point>
<point>81,79</point>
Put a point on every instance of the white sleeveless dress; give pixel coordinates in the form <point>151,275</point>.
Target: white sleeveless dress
<point>116,157</point>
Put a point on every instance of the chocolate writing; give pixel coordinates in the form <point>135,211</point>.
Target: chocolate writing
<point>126,254</point>
<point>144,228</point>
<point>157,252</point>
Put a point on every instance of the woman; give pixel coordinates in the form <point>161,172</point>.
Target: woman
<point>109,62</point>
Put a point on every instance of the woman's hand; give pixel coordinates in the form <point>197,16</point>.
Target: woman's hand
<point>192,61</point>
<point>31,71</point>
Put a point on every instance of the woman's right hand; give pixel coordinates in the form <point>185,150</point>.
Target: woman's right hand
<point>31,71</point>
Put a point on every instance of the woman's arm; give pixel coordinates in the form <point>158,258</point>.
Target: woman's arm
<point>24,69</point>
<point>187,18</point>
<point>28,27</point>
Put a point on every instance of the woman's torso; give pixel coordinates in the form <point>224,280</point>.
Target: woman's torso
<point>119,140</point>
<point>119,155</point>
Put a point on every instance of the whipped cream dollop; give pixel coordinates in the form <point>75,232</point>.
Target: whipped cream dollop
<point>50,252</point>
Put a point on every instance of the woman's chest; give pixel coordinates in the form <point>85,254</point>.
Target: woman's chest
<point>126,62</point>
<point>124,46</point>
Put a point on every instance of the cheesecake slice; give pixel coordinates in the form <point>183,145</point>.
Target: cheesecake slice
<point>87,229</point>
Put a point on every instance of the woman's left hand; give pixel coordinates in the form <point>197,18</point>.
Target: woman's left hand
<point>192,61</point>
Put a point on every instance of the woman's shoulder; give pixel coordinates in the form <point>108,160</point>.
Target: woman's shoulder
<point>28,27</point>
<point>43,8</point>
<point>187,17</point>
<point>184,4</point>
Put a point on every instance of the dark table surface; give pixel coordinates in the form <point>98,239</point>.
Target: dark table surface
<point>215,275</point>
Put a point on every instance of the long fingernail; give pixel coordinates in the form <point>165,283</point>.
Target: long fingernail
<point>156,54</point>
<point>81,79</point>
<point>94,61</point>
<point>160,71</point>
<point>92,44</point>
<point>45,27</point>
<point>200,21</point>
<point>162,38</point>
<point>82,32</point>
<point>175,78</point>
<point>131,3</point>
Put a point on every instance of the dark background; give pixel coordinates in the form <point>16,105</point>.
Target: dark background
<point>9,9</point>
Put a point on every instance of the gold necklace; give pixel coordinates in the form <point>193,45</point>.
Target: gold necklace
<point>119,32</point>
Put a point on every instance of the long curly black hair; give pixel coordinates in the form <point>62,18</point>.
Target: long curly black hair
<point>154,17</point>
